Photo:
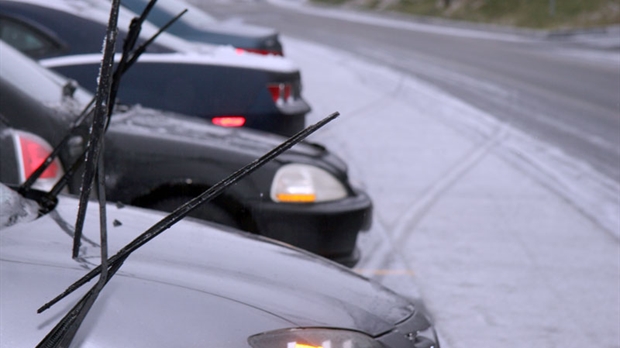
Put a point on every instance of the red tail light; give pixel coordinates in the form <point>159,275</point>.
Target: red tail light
<point>280,92</point>
<point>34,151</point>
<point>259,51</point>
<point>229,121</point>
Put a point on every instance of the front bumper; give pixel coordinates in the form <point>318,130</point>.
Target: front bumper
<point>329,229</point>
<point>414,332</point>
<point>289,118</point>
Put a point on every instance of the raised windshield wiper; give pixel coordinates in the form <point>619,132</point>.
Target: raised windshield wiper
<point>103,110</point>
<point>130,58</point>
<point>63,333</point>
<point>65,330</point>
<point>113,264</point>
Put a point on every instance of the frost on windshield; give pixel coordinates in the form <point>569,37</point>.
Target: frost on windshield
<point>15,209</point>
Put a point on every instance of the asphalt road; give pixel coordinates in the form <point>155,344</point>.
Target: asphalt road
<point>555,91</point>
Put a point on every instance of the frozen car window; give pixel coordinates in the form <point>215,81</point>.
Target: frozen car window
<point>14,208</point>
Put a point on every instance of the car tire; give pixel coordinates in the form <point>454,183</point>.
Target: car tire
<point>206,211</point>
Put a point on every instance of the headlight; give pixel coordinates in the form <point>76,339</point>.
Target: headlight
<point>301,183</point>
<point>313,338</point>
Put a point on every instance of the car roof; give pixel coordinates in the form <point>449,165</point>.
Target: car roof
<point>228,58</point>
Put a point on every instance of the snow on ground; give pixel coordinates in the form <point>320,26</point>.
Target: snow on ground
<point>508,242</point>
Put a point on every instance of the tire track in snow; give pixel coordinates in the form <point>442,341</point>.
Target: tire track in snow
<point>409,220</point>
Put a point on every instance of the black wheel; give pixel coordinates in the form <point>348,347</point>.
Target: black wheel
<point>207,211</point>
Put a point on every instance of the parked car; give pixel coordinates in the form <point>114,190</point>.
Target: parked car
<point>227,96</point>
<point>216,83</point>
<point>195,285</point>
<point>158,160</point>
<point>197,25</point>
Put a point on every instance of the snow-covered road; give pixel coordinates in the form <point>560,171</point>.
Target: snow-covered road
<point>509,242</point>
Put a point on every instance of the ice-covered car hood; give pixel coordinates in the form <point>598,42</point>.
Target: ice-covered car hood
<point>193,286</point>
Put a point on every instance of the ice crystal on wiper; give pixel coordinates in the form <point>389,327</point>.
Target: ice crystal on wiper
<point>64,331</point>
<point>15,209</point>
<point>129,57</point>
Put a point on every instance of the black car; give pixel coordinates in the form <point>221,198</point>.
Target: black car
<point>159,160</point>
<point>216,83</point>
<point>197,25</point>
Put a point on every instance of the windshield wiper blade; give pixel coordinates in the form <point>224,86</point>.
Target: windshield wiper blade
<point>121,69</point>
<point>138,51</point>
<point>97,130</point>
<point>96,138</point>
<point>63,333</point>
<point>188,207</point>
<point>73,130</point>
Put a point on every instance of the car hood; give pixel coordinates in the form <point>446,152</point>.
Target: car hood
<point>194,285</point>
<point>161,124</point>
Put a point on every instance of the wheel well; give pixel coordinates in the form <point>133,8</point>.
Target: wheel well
<point>232,206</point>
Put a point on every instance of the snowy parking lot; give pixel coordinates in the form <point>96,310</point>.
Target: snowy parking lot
<point>506,240</point>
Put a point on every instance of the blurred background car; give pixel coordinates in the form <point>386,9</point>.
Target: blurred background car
<point>230,95</point>
<point>197,25</point>
<point>227,87</point>
<point>160,160</point>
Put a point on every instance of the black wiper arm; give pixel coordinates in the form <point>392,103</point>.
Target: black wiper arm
<point>100,120</point>
<point>63,333</point>
<point>143,47</point>
<point>130,42</point>
<point>188,207</point>
<point>27,185</point>
<point>125,63</point>
<point>130,59</point>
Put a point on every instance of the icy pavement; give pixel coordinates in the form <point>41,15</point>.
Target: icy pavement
<point>509,242</point>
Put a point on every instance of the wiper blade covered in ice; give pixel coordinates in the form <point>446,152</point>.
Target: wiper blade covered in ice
<point>63,333</point>
<point>128,58</point>
<point>188,207</point>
